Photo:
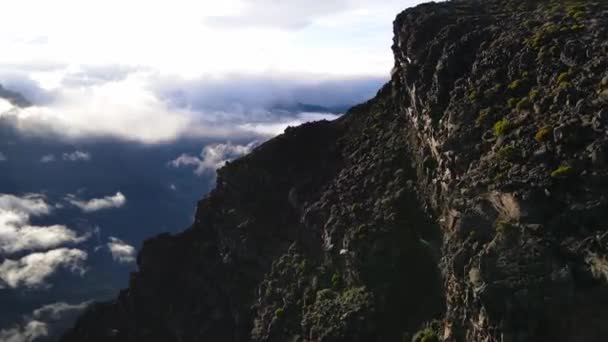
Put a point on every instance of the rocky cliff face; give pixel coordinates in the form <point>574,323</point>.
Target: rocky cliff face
<point>466,202</point>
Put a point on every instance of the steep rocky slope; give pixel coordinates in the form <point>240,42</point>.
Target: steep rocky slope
<point>466,202</point>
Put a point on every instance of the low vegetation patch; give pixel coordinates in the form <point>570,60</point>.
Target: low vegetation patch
<point>533,94</point>
<point>507,153</point>
<point>543,134</point>
<point>336,280</point>
<point>426,335</point>
<point>483,115</point>
<point>563,77</point>
<point>523,104</point>
<point>501,127</point>
<point>562,172</point>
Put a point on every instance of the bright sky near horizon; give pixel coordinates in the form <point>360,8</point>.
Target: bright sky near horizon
<point>191,38</point>
<point>76,59</point>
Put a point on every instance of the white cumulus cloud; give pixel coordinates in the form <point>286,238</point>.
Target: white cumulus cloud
<point>31,204</point>
<point>121,251</point>
<point>122,108</point>
<point>41,321</point>
<point>212,157</point>
<point>55,311</point>
<point>49,158</point>
<point>16,232</point>
<point>77,156</point>
<point>96,204</point>
<point>30,332</point>
<point>32,270</point>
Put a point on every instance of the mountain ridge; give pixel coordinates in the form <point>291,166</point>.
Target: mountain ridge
<point>465,202</point>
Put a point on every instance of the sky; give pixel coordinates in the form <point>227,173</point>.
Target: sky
<point>133,106</point>
<point>155,71</point>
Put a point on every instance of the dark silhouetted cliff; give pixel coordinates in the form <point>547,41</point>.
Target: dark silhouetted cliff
<point>466,202</point>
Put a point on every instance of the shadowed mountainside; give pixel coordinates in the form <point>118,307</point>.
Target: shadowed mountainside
<point>466,202</point>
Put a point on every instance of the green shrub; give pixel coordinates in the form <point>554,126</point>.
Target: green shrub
<point>533,94</point>
<point>483,115</point>
<point>563,77</point>
<point>576,11</point>
<point>515,84</point>
<point>506,153</point>
<point>278,313</point>
<point>501,127</point>
<point>577,27</point>
<point>543,134</point>
<point>472,96</point>
<point>502,226</point>
<point>512,102</point>
<point>543,34</point>
<point>562,172</point>
<point>523,104</point>
<point>336,280</point>
<point>428,335</point>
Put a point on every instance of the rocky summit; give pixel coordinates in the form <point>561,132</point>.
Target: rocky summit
<point>466,202</point>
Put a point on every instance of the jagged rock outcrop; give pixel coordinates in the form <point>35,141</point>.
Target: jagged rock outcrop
<point>466,202</point>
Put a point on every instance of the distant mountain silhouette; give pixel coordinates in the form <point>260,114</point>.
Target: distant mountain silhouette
<point>313,108</point>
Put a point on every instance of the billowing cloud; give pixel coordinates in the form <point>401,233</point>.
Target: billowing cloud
<point>32,270</point>
<point>30,332</point>
<point>14,98</point>
<point>31,204</point>
<point>5,105</point>
<point>150,108</point>
<point>96,204</point>
<point>121,251</point>
<point>56,311</point>
<point>77,156</point>
<point>67,156</point>
<point>92,82</point>
<point>41,322</point>
<point>16,232</point>
<point>212,157</point>
<point>49,158</point>
<point>16,236</point>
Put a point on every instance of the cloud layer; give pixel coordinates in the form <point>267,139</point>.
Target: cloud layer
<point>40,322</point>
<point>249,55</point>
<point>212,157</point>
<point>56,311</point>
<point>17,235</point>
<point>148,107</point>
<point>33,269</point>
<point>49,158</point>
<point>76,156</point>
<point>16,232</point>
<point>121,251</point>
<point>29,332</point>
<point>108,202</point>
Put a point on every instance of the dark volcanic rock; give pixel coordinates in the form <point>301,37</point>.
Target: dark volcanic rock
<point>466,202</point>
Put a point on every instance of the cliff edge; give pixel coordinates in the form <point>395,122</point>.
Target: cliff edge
<point>465,202</point>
